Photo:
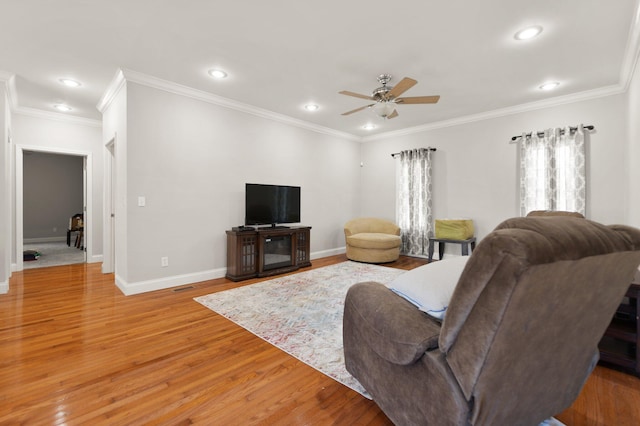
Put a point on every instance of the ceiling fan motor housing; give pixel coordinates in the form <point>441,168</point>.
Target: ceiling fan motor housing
<point>380,94</point>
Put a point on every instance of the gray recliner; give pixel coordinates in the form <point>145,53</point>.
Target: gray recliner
<point>520,336</point>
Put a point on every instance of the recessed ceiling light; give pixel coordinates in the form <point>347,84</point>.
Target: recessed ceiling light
<point>550,85</point>
<point>217,73</point>
<point>62,107</point>
<point>311,107</point>
<point>69,82</point>
<point>528,33</point>
<point>369,126</point>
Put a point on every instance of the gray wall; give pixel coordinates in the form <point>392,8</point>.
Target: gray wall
<point>52,193</point>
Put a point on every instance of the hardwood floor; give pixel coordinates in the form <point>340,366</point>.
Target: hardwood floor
<point>74,350</point>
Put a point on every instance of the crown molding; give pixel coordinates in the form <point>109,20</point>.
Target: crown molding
<point>9,80</point>
<point>12,92</point>
<point>178,89</point>
<point>117,83</point>
<point>56,116</point>
<point>632,51</point>
<point>502,112</point>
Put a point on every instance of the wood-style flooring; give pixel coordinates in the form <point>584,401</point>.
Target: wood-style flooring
<point>74,350</point>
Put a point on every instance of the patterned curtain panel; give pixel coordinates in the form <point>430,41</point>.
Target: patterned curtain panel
<point>413,206</point>
<point>552,171</point>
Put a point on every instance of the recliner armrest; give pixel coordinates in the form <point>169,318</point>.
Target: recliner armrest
<point>392,327</point>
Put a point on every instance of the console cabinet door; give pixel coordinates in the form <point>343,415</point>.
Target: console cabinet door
<point>303,247</point>
<point>242,255</point>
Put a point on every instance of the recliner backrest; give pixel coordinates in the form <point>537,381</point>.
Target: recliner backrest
<point>523,324</point>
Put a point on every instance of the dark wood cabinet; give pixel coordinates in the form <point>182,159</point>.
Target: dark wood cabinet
<point>268,251</point>
<point>619,345</point>
<point>241,255</point>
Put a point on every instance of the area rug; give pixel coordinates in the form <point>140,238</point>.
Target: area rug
<point>301,314</point>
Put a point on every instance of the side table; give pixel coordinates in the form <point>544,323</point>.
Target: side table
<point>464,246</point>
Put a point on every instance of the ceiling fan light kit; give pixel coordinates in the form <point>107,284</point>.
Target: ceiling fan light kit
<point>386,97</point>
<point>384,109</point>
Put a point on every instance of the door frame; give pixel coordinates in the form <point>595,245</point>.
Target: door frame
<point>109,238</point>
<point>19,181</point>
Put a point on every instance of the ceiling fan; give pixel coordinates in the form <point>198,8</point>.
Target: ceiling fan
<point>386,97</point>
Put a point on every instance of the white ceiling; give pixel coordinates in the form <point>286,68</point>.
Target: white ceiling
<point>282,54</point>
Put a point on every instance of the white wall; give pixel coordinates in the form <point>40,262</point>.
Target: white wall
<point>634,148</point>
<point>5,190</point>
<point>67,137</point>
<point>190,160</point>
<point>114,128</point>
<point>475,170</point>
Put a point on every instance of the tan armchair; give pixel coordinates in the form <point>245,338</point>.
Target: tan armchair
<point>372,240</point>
<point>520,335</point>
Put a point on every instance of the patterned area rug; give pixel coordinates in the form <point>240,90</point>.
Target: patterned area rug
<point>301,314</point>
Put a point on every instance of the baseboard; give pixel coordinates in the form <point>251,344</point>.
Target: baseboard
<point>44,240</point>
<point>129,289</point>
<point>4,287</point>
<point>327,253</point>
<point>95,259</point>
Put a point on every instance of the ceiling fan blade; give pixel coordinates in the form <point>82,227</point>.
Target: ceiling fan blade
<point>404,85</point>
<point>394,114</point>
<point>356,95</point>
<point>418,100</point>
<point>357,109</point>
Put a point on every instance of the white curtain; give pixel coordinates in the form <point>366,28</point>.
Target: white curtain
<point>413,205</point>
<point>552,171</point>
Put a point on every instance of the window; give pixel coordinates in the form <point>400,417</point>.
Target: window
<point>552,171</point>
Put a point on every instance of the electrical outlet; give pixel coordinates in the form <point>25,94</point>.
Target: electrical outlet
<point>164,261</point>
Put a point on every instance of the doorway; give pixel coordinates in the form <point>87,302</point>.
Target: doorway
<point>41,226</point>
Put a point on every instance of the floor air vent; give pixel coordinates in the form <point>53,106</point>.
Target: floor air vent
<point>183,288</point>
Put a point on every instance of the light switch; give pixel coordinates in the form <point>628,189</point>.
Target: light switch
<point>141,201</point>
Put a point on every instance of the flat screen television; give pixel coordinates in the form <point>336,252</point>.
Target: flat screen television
<point>271,204</point>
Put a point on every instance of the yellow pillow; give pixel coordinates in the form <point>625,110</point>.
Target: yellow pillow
<point>454,229</point>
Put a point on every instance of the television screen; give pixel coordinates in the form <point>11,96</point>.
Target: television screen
<point>271,204</point>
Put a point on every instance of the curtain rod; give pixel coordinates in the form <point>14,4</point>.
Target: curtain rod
<point>540,134</point>
<point>397,153</point>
